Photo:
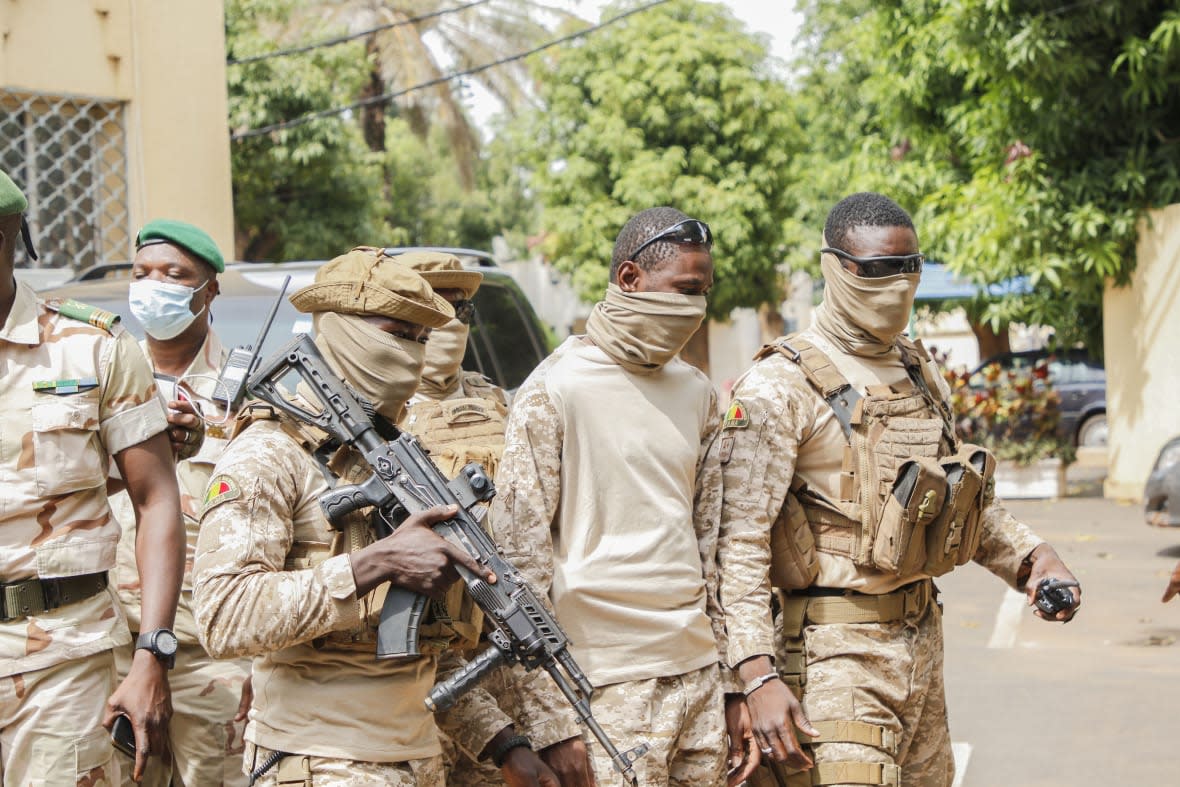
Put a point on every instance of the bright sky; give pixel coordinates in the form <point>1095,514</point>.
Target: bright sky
<point>774,19</point>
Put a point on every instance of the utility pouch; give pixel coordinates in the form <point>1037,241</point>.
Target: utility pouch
<point>918,496</point>
<point>953,538</point>
<point>793,561</point>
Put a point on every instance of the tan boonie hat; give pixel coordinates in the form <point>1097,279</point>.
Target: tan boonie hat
<point>443,271</point>
<point>365,281</point>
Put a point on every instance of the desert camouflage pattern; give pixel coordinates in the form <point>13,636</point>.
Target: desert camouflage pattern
<point>880,673</point>
<point>51,732</point>
<point>198,384</point>
<point>55,456</point>
<point>791,432</point>
<point>273,580</point>
<point>327,772</point>
<point>465,426</point>
<point>206,742</point>
<point>681,717</point>
<point>526,509</point>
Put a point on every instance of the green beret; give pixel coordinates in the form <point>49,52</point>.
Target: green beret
<point>12,199</point>
<point>179,233</point>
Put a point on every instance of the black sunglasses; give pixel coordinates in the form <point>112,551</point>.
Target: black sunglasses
<point>884,265</point>
<point>687,231</point>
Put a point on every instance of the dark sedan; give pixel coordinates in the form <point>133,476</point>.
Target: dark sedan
<point>1079,379</point>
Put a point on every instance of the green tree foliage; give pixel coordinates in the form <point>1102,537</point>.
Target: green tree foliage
<point>1028,137</point>
<point>672,106</point>
<point>310,191</point>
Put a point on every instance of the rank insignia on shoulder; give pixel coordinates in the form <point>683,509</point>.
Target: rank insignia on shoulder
<point>68,307</point>
<point>737,416</point>
<point>222,489</point>
<point>65,387</point>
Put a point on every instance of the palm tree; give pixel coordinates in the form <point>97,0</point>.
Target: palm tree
<point>477,32</point>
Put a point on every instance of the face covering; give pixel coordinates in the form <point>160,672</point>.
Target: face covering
<point>163,309</point>
<point>864,316</point>
<point>444,360</point>
<point>381,367</point>
<point>642,331</point>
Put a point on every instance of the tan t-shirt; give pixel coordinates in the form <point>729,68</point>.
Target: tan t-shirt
<point>72,395</point>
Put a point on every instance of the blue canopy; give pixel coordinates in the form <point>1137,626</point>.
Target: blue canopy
<point>939,284</point>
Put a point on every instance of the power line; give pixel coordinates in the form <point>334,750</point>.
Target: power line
<point>323,113</point>
<point>353,36</point>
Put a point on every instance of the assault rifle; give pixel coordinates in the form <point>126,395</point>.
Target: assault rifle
<point>404,482</point>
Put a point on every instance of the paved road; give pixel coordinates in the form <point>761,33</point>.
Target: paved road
<point>1095,702</point>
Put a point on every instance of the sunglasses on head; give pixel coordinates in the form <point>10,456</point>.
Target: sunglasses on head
<point>688,231</point>
<point>884,265</point>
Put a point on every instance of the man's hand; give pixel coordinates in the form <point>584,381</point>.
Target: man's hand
<point>775,713</point>
<point>186,430</point>
<point>1045,564</point>
<point>570,760</point>
<point>523,768</point>
<point>744,756</point>
<point>414,557</point>
<point>1173,585</point>
<point>247,699</point>
<point>143,697</point>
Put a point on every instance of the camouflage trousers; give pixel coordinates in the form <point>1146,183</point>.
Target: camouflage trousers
<point>887,675</point>
<point>305,771</point>
<point>464,769</point>
<point>51,731</point>
<point>206,743</point>
<point>682,719</point>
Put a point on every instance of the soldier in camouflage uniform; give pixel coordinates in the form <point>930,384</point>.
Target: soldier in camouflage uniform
<point>609,496</point>
<point>174,282</point>
<point>460,417</point>
<point>75,392</point>
<point>274,580</point>
<point>846,491</point>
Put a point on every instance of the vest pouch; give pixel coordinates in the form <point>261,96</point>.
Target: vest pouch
<point>953,538</point>
<point>916,500</point>
<point>983,462</point>
<point>794,563</point>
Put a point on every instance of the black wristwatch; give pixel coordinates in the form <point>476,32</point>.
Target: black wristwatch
<point>162,643</point>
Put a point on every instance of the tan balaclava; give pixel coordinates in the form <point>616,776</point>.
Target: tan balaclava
<point>864,316</point>
<point>642,331</point>
<point>381,367</point>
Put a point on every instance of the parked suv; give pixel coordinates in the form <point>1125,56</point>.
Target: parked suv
<point>507,339</point>
<point>1078,378</point>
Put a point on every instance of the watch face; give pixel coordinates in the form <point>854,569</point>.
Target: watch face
<point>166,643</point>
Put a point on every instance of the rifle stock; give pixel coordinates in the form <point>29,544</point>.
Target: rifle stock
<point>405,481</point>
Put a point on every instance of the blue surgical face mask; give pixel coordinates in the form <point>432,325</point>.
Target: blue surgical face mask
<point>163,309</point>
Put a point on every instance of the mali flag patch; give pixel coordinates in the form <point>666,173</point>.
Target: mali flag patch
<point>221,489</point>
<point>737,416</point>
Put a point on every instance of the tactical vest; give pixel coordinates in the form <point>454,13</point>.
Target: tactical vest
<point>456,431</point>
<point>911,495</point>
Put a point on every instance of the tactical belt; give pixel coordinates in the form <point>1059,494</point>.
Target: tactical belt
<point>836,605</point>
<point>35,596</point>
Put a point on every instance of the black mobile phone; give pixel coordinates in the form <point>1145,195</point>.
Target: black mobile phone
<point>123,736</point>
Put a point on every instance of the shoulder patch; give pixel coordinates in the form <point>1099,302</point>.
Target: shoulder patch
<point>68,307</point>
<point>737,416</point>
<point>221,489</point>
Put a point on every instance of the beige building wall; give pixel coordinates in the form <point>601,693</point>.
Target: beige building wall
<point>166,60</point>
<point>1142,336</point>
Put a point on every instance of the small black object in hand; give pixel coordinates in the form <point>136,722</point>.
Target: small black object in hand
<point>1053,595</point>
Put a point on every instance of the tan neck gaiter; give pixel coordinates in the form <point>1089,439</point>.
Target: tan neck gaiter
<point>383,368</point>
<point>642,331</point>
<point>864,316</point>
<point>444,360</point>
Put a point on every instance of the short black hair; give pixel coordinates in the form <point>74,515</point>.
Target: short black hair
<point>863,209</point>
<point>643,226</point>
